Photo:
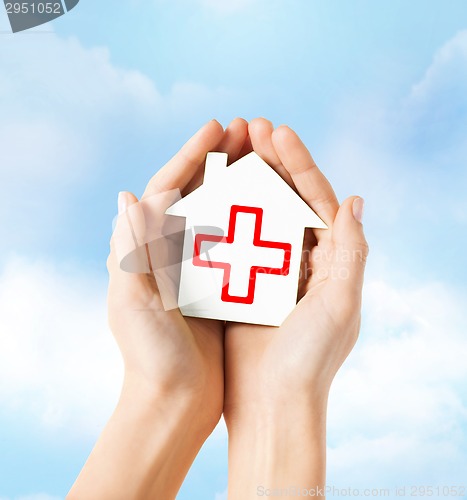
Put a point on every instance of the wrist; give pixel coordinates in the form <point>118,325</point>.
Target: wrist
<point>247,404</point>
<point>271,416</point>
<point>289,443</point>
<point>180,406</point>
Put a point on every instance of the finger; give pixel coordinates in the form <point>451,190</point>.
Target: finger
<point>350,246</point>
<point>234,138</point>
<point>306,264</point>
<point>247,147</point>
<point>128,260</point>
<point>178,172</point>
<point>311,184</point>
<point>231,143</point>
<point>130,228</point>
<point>260,131</point>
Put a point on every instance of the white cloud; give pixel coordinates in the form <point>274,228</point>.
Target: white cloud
<point>447,72</point>
<point>398,408</point>
<point>56,97</point>
<point>406,157</point>
<point>68,116</point>
<point>61,106</point>
<point>436,110</point>
<point>58,362</point>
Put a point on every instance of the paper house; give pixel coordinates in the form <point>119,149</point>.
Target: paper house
<point>243,243</point>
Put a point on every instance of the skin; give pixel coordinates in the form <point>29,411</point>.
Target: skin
<point>271,383</point>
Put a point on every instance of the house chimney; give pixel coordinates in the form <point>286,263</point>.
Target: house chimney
<point>215,165</point>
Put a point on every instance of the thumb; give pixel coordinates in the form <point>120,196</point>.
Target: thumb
<point>128,261</point>
<point>351,247</point>
<point>128,239</point>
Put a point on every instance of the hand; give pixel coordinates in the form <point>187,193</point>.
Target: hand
<point>172,355</point>
<point>277,379</point>
<point>172,395</point>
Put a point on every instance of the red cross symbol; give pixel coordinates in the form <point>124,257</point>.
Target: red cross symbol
<point>245,238</point>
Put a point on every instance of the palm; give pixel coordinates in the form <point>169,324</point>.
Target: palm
<point>164,345</point>
<point>296,353</point>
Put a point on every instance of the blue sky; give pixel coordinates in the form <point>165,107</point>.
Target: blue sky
<point>98,100</point>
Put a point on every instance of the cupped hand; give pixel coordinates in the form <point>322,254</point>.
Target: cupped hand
<point>165,353</point>
<point>269,366</point>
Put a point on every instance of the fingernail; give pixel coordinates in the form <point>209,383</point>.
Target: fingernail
<point>122,203</point>
<point>357,208</point>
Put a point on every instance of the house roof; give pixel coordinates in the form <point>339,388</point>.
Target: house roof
<point>250,175</point>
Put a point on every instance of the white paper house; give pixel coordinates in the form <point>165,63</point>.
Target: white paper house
<point>243,244</point>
